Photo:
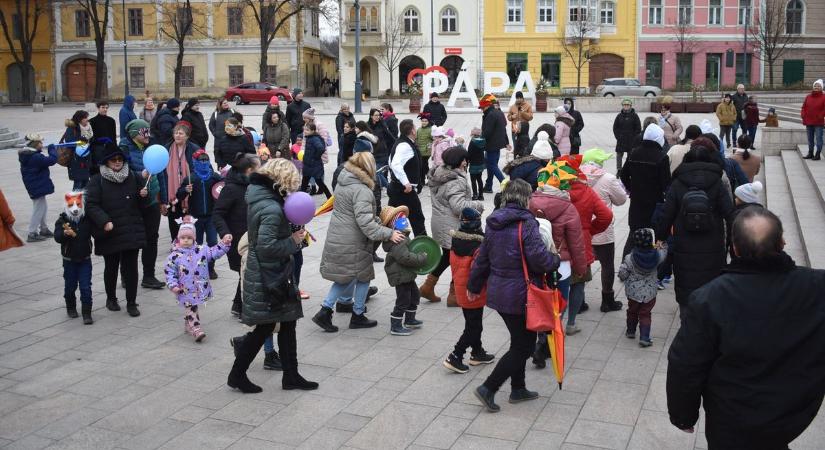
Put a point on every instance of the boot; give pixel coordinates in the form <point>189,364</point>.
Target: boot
<point>244,354</point>
<point>410,321</point>
<point>242,383</point>
<point>131,308</point>
<point>487,398</point>
<point>323,319</point>
<point>291,379</point>
<point>343,307</point>
<point>71,308</point>
<point>212,274</point>
<point>817,156</point>
<point>236,343</point>
<point>428,289</point>
<point>150,282</point>
<point>198,333</point>
<point>111,304</point>
<point>810,155</point>
<point>540,354</point>
<point>397,328</point>
<point>609,304</point>
<point>630,333</point>
<point>451,300</point>
<point>644,336</point>
<point>86,310</point>
<point>272,361</point>
<point>236,308</point>
<point>361,321</point>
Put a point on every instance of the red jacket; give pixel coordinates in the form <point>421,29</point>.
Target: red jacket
<point>594,214</point>
<point>751,114</point>
<point>567,228</point>
<point>813,109</point>
<point>465,246</point>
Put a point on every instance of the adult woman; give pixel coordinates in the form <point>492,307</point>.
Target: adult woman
<point>726,113</point>
<point>450,193</point>
<point>234,141</point>
<point>347,257</point>
<point>276,136</point>
<point>564,123</point>
<point>346,143</point>
<point>751,111</point>
<point>813,117</point>
<point>179,167</point>
<point>551,133</point>
<point>217,125</point>
<point>270,296</point>
<point>192,114</point>
<point>626,126</point>
<point>699,239</point>
<point>230,212</point>
<point>149,110</point>
<point>671,125</point>
<point>388,115</point>
<point>677,153</point>
<point>749,162</point>
<point>314,149</point>
<point>385,140</point>
<point>78,128</point>
<point>114,200</point>
<point>344,115</point>
<point>511,242</point>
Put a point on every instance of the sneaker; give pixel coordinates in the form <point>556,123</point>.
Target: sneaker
<point>152,283</point>
<point>454,363</point>
<point>630,334</point>
<point>304,295</point>
<point>372,291</point>
<point>481,357</point>
<point>584,308</point>
<point>377,259</point>
<point>46,233</point>
<point>667,279</point>
<point>34,237</point>
<point>645,343</point>
<point>272,361</point>
<point>571,330</point>
<point>361,321</point>
<point>522,395</point>
<point>660,285</point>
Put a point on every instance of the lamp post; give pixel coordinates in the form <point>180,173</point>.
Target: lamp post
<point>745,68</point>
<point>432,33</point>
<point>357,58</point>
<point>125,59</point>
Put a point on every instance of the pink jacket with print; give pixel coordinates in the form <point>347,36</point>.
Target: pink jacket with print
<point>611,191</point>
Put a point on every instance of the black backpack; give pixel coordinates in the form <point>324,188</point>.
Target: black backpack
<point>697,211</point>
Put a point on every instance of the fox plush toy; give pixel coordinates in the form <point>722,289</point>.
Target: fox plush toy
<point>73,232</point>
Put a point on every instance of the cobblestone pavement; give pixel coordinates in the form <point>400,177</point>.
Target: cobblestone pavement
<point>141,383</point>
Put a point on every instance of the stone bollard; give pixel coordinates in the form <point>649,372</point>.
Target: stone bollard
<point>37,107</point>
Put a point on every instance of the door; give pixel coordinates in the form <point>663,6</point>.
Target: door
<point>713,71</point>
<point>793,71</point>
<point>605,66</point>
<point>80,79</point>
<point>653,69</point>
<point>15,81</point>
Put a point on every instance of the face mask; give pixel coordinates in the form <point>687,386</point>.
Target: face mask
<point>203,169</point>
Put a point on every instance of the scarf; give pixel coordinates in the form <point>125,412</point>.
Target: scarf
<point>203,169</point>
<point>86,132</point>
<point>176,171</point>
<point>645,259</point>
<point>115,177</point>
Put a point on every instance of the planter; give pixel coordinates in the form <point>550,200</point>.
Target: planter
<point>541,103</point>
<point>415,105</point>
<point>655,107</point>
<point>698,107</point>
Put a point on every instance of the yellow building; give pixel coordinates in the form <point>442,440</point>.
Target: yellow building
<point>41,81</point>
<point>531,35</point>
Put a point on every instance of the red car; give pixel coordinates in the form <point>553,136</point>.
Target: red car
<point>257,92</point>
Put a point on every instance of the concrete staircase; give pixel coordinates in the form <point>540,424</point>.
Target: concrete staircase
<point>9,139</point>
<point>787,112</point>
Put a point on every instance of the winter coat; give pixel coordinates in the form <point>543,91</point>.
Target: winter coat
<point>462,255</point>
<point>381,152</point>
<point>754,335</point>
<point>626,126</point>
<point>314,149</point>
<point>126,113</point>
<point>188,269</point>
<point>739,101</point>
<point>697,257</point>
<point>594,214</point>
<point>79,166</point>
<point>568,236</point>
<point>164,126</point>
<point>813,109</point>
<point>612,193</point>
<point>438,152</point>
<point>499,260</point>
<point>726,113</point>
<point>269,259</point>
<point>750,167</point>
<point>751,114</point>
<point>266,121</point>
<point>216,126</point>
<point>494,129</point>
<point>525,168</point>
<point>392,124</point>
<point>771,121</point>
<point>147,115</point>
<point>229,213</point>
<point>200,135</point>
<point>276,138</point>
<point>450,193</point>
<point>562,138</point>
<point>119,203</point>
<point>676,153</point>
<point>376,190</point>
<point>401,264</point>
<point>352,229</point>
<point>295,116</point>
<point>438,114</point>
<point>231,146</point>
<point>34,168</point>
<point>578,121</point>
<point>672,127</point>
<point>201,202</point>
<point>646,176</point>
<point>340,119</point>
<point>520,113</point>
<point>640,282</point>
<point>346,145</point>
<point>424,140</point>
<point>103,127</point>
<point>8,237</point>
<point>475,151</point>
<point>136,163</point>
<point>78,248</point>
<point>163,177</point>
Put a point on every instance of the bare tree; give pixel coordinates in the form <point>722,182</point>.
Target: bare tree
<point>98,12</point>
<point>683,35</point>
<point>579,42</point>
<point>24,29</point>
<point>179,24</point>
<point>771,38</point>
<point>396,44</point>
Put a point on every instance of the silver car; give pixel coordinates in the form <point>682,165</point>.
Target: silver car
<point>612,87</point>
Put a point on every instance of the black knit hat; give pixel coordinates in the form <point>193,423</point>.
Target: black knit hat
<point>453,156</point>
<point>110,150</point>
<point>470,219</point>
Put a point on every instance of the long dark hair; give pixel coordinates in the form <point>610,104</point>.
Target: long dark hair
<point>79,115</point>
<point>745,143</point>
<point>372,112</point>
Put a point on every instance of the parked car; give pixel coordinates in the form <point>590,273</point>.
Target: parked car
<point>257,92</point>
<point>612,87</point>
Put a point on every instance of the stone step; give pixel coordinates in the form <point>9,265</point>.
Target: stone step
<point>6,135</point>
<point>809,207</point>
<point>779,201</point>
<point>11,143</point>
<point>4,130</point>
<point>786,113</point>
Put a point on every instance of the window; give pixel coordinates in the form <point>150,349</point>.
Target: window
<point>137,77</point>
<point>654,12</point>
<point>582,10</point>
<point>234,17</point>
<point>516,63</point>
<point>352,19</point>
<point>715,12</point>
<point>514,11</point>
<point>449,20</point>
<point>793,17</point>
<point>653,69</point>
<point>16,27</point>
<point>745,12</point>
<point>271,74</point>
<point>411,21</point>
<point>184,16</point>
<point>373,23</point>
<point>135,22</point>
<point>187,76</point>
<point>684,70</point>
<point>551,68</point>
<point>235,75</point>
<point>607,13</point>
<point>546,11</point>
<point>81,23</point>
<point>316,24</point>
<point>685,11</point>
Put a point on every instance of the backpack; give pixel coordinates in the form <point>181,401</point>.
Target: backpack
<point>697,211</point>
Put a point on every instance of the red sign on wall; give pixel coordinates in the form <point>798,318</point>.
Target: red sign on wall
<point>452,51</point>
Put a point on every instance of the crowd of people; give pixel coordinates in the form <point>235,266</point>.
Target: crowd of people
<point>693,206</point>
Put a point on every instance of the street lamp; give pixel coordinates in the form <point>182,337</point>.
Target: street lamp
<point>125,59</point>
<point>357,58</point>
<point>432,33</point>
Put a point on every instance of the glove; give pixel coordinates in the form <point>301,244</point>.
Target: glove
<point>52,149</point>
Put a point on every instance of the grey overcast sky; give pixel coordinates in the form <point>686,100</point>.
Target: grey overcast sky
<point>330,27</point>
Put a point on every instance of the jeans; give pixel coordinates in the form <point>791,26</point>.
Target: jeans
<point>443,264</point>
<point>269,344</point>
<point>149,253</point>
<point>407,298</point>
<point>814,132</point>
<point>79,185</point>
<point>39,210</point>
<point>471,337</point>
<point>78,274</point>
<point>606,255</point>
<point>205,226</point>
<point>738,124</point>
<point>575,300</point>
<point>124,262</point>
<point>511,365</point>
<point>639,313</point>
<point>409,199</point>
<point>339,290</point>
<point>492,158</point>
<point>752,134</point>
<point>724,134</point>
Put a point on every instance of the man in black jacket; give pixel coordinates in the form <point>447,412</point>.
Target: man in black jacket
<point>494,131</point>
<point>295,114</point>
<point>102,124</point>
<point>740,98</point>
<point>750,345</point>
<point>438,114</point>
<point>576,129</point>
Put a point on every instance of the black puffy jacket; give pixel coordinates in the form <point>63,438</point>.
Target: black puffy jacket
<point>200,135</point>
<point>229,214</point>
<point>295,116</point>
<point>438,114</point>
<point>163,126</point>
<point>386,141</point>
<point>626,127</point>
<point>231,146</point>
<point>76,248</point>
<point>494,129</point>
<point>646,175</point>
<point>120,204</point>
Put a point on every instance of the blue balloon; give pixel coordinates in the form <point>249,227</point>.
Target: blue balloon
<point>256,138</point>
<point>82,150</point>
<point>155,159</point>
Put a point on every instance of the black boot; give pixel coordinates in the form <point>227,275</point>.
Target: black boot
<point>86,310</point>
<point>323,319</point>
<point>810,155</point>
<point>817,156</point>
<point>289,360</point>
<point>245,351</point>
<point>272,361</point>
<point>131,308</point>
<point>242,383</point>
<point>236,308</point>
<point>487,398</point>
<point>609,304</point>
<point>361,321</point>
<point>150,282</point>
<point>212,274</point>
<point>71,308</point>
<point>111,304</point>
<point>540,353</point>
<point>584,307</point>
<point>410,321</point>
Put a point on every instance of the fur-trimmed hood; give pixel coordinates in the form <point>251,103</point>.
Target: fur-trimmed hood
<point>27,151</point>
<point>369,136</point>
<point>69,123</point>
<point>354,174</point>
<point>567,119</point>
<point>519,161</point>
<point>467,236</point>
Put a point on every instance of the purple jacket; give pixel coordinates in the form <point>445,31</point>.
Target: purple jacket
<point>188,269</point>
<point>499,259</point>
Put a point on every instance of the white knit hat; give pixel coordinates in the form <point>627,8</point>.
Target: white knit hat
<point>749,193</point>
<point>819,82</point>
<point>542,148</point>
<point>561,109</point>
<point>438,131</point>
<point>655,133</point>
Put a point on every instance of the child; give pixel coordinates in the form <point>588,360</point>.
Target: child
<point>771,120</point>
<point>34,168</point>
<point>401,266</point>
<point>475,156</point>
<point>187,273</point>
<point>440,145</point>
<point>314,150</point>
<point>197,187</point>
<point>73,232</point>
<point>639,274</point>
<point>465,242</point>
<point>264,155</point>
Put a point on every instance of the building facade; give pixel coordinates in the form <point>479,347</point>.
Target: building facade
<point>685,43</point>
<point>41,80</point>
<point>805,62</point>
<point>447,35</point>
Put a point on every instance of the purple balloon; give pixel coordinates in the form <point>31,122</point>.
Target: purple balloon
<point>299,208</point>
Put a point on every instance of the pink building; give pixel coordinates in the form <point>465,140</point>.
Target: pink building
<point>697,42</point>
